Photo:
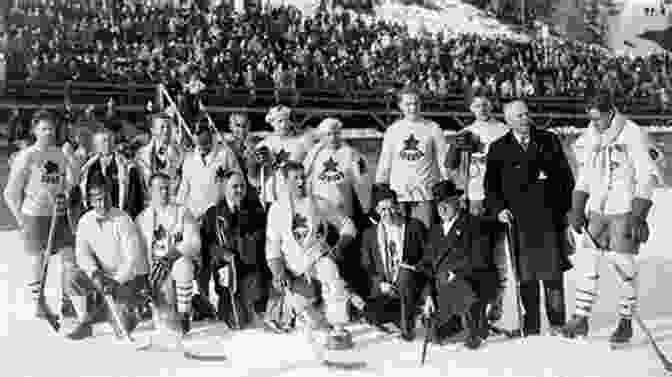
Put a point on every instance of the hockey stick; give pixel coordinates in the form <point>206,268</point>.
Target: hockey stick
<point>429,323</point>
<point>661,356</point>
<point>49,315</point>
<point>511,250</point>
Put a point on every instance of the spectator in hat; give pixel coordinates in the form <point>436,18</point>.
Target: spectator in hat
<point>459,267</point>
<point>390,250</point>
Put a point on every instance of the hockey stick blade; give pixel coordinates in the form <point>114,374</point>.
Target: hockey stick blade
<point>49,316</point>
<point>202,357</point>
<point>502,331</point>
<point>344,365</point>
<point>190,355</point>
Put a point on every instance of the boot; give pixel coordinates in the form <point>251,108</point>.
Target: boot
<point>623,332</point>
<point>339,340</point>
<point>495,310</point>
<point>67,309</point>
<point>185,323</point>
<point>473,341</point>
<point>577,326</point>
<point>202,308</point>
<point>83,330</point>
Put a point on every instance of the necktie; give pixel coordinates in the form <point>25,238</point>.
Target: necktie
<point>525,142</point>
<point>392,256</point>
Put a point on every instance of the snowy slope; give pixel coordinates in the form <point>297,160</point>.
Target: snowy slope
<point>30,349</point>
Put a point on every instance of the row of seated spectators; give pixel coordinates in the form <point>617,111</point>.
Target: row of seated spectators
<point>193,48</point>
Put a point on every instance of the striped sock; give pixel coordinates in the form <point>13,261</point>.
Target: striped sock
<point>584,302</point>
<point>184,292</point>
<point>34,288</point>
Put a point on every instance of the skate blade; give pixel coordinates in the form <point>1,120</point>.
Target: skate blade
<point>619,346</point>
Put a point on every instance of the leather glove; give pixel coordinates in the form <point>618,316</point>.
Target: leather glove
<point>161,268</point>
<point>104,283</point>
<point>577,215</point>
<point>61,203</point>
<point>465,142</point>
<point>637,220</point>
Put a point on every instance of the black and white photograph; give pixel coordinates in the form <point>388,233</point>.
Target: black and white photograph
<point>357,188</point>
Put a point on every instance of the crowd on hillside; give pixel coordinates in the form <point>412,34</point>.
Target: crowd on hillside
<point>193,49</point>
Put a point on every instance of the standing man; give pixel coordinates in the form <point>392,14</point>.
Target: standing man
<point>528,182</point>
<point>476,139</point>
<point>172,243</point>
<point>617,174</point>
<point>113,168</point>
<point>199,190</point>
<point>161,154</point>
<point>39,183</point>
<point>338,173</point>
<point>413,158</point>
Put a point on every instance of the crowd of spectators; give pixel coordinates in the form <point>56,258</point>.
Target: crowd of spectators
<point>280,48</point>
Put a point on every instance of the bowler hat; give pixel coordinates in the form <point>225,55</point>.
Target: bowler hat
<point>446,190</point>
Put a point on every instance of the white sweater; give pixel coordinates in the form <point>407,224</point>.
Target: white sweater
<point>198,189</point>
<point>412,159</point>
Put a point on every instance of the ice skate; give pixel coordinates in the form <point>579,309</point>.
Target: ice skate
<point>577,327</point>
<point>622,335</point>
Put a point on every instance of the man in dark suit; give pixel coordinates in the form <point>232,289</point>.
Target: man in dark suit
<point>234,232</point>
<point>529,183</point>
<point>459,265</point>
<point>390,251</point>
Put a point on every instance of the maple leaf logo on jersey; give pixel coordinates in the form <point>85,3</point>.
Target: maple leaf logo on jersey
<point>330,172</point>
<point>300,227</point>
<point>411,152</point>
<point>281,157</point>
<point>50,172</point>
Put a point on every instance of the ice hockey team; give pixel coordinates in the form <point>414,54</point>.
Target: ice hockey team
<point>297,229</point>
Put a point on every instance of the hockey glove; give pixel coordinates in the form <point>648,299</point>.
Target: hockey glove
<point>638,225</point>
<point>105,284</point>
<point>577,215</point>
<point>61,203</point>
<point>161,268</point>
<point>465,142</point>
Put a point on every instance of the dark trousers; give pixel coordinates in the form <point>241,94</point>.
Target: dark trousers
<point>554,293</point>
<point>400,308</point>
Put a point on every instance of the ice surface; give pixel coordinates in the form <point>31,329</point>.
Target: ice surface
<point>31,349</point>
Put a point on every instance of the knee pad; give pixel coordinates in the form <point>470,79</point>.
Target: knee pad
<point>183,270</point>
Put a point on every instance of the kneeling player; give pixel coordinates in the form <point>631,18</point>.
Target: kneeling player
<point>110,261</point>
<point>171,236</point>
<point>297,252</point>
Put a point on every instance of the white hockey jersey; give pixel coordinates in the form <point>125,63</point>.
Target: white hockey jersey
<point>616,166</point>
<point>412,159</point>
<point>170,227</point>
<point>338,175</point>
<point>486,133</point>
<point>282,148</point>
<point>301,230</point>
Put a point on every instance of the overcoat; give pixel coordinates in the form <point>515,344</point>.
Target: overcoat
<point>536,186</point>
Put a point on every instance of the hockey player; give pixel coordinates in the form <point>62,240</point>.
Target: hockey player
<point>161,154</point>
<point>110,261</point>
<point>476,139</point>
<point>616,178</point>
<point>338,173</point>
<point>198,188</point>
<point>297,253</point>
<point>39,180</point>
<point>242,143</point>
<point>285,144</point>
<point>172,242</point>
<point>122,175</point>
<point>413,158</point>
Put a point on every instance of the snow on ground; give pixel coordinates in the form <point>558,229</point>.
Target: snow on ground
<point>31,349</point>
